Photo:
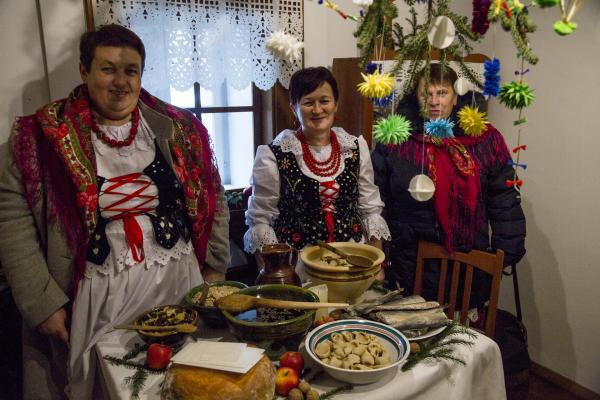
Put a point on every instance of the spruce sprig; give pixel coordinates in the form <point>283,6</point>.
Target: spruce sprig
<point>442,346</point>
<point>136,383</point>
<point>330,393</point>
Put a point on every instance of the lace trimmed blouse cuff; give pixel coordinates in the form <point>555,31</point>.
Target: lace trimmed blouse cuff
<point>257,236</point>
<point>376,227</point>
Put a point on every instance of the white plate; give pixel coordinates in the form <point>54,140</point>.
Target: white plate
<point>427,335</point>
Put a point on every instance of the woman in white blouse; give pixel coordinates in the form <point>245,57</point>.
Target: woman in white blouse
<point>110,205</point>
<point>315,182</point>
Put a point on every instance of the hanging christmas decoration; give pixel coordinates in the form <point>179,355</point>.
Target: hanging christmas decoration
<point>545,3</point>
<point>421,187</point>
<point>364,4</point>
<point>439,128</point>
<point>384,101</point>
<point>376,85</point>
<point>565,26</point>
<point>331,5</point>
<point>516,165</point>
<point>491,75</point>
<point>441,32</point>
<point>395,129</point>
<point>479,22</point>
<point>372,29</point>
<point>514,18</point>
<point>472,121</point>
<point>516,95</point>
<point>284,46</point>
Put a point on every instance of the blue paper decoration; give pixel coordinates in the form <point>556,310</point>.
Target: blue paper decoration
<point>439,128</point>
<point>491,83</point>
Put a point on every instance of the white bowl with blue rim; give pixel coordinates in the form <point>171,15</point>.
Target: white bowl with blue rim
<point>392,340</point>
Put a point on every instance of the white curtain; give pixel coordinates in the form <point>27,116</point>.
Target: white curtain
<point>207,41</point>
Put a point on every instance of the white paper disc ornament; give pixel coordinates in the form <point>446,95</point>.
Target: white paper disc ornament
<point>421,187</point>
<point>441,33</point>
<point>462,86</point>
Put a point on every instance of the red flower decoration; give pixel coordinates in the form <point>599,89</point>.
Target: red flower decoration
<point>195,174</point>
<point>62,131</point>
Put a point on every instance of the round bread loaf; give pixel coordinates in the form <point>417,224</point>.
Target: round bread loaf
<point>193,383</point>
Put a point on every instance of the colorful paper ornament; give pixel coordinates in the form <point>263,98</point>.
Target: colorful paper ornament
<point>472,121</point>
<point>421,187</point>
<point>516,95</point>
<point>479,22</point>
<point>564,28</point>
<point>491,83</point>
<point>395,129</point>
<point>441,32</point>
<point>546,3</point>
<point>516,165</point>
<point>330,4</point>
<point>284,46</point>
<point>384,101</point>
<point>439,128</point>
<point>363,3</point>
<point>376,85</point>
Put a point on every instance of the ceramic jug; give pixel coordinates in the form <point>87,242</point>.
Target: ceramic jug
<point>278,263</point>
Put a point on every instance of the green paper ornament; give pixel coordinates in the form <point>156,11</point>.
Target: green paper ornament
<point>395,129</point>
<point>564,28</point>
<point>546,3</point>
<point>516,95</point>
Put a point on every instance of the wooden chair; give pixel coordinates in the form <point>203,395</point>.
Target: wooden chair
<point>492,264</point>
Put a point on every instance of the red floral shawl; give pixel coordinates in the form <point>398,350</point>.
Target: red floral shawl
<point>53,152</point>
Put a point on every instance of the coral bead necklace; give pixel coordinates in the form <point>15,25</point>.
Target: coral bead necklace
<point>135,120</point>
<point>321,168</point>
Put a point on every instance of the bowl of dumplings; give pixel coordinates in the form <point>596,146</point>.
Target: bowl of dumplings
<point>357,351</point>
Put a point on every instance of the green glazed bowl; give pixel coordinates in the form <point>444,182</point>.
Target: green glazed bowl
<point>211,315</point>
<point>279,336</point>
<point>166,315</point>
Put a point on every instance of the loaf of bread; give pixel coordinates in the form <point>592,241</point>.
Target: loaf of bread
<point>192,383</point>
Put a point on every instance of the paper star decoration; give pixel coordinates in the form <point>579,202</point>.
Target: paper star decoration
<point>376,85</point>
<point>472,121</point>
<point>516,95</point>
<point>284,46</point>
<point>439,128</point>
<point>394,129</point>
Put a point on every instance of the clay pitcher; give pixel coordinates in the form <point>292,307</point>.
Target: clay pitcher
<point>278,263</point>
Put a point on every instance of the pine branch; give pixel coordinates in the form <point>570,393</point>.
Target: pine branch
<point>137,349</point>
<point>329,394</point>
<point>136,383</point>
<point>130,364</point>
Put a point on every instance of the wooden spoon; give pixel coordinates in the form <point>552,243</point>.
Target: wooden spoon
<point>354,259</point>
<point>182,328</point>
<point>241,302</point>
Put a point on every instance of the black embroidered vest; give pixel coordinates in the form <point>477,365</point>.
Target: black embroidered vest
<point>301,220</point>
<point>169,220</point>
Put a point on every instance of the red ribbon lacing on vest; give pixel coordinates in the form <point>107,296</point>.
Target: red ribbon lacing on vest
<point>328,192</point>
<point>133,232</point>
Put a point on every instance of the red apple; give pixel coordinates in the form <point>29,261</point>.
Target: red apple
<point>158,356</point>
<point>292,359</point>
<point>285,380</point>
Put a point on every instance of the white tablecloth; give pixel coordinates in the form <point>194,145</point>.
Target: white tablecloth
<point>481,378</point>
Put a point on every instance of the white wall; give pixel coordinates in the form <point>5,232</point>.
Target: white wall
<point>559,276</point>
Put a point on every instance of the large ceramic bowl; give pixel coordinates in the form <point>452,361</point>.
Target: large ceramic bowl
<point>344,283</point>
<point>210,314</point>
<point>166,315</point>
<point>394,342</point>
<point>276,331</point>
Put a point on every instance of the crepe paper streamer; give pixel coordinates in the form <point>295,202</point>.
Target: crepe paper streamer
<point>491,83</point>
<point>441,32</point>
<point>521,147</point>
<point>439,128</point>
<point>284,46</point>
<point>363,3</point>
<point>517,183</point>
<point>395,129</point>
<point>330,4</point>
<point>516,95</point>
<point>517,72</point>
<point>472,121</point>
<point>376,85</point>
<point>479,22</point>
<point>515,165</point>
<point>564,28</point>
<point>372,67</point>
<point>545,3</point>
<point>520,121</point>
<point>384,101</point>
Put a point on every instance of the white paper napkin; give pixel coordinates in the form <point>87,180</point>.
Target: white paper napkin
<point>232,357</point>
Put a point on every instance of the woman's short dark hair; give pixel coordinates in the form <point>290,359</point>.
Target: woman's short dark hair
<point>108,35</point>
<point>307,80</point>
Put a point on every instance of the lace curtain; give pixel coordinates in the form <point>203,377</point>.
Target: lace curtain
<point>207,41</point>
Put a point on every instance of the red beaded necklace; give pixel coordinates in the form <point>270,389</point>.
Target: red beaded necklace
<point>135,120</point>
<point>321,168</point>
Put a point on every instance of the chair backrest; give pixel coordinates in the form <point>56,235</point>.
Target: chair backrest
<point>490,263</point>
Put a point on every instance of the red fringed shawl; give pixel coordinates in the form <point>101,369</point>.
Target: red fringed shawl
<point>454,164</point>
<point>53,152</point>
